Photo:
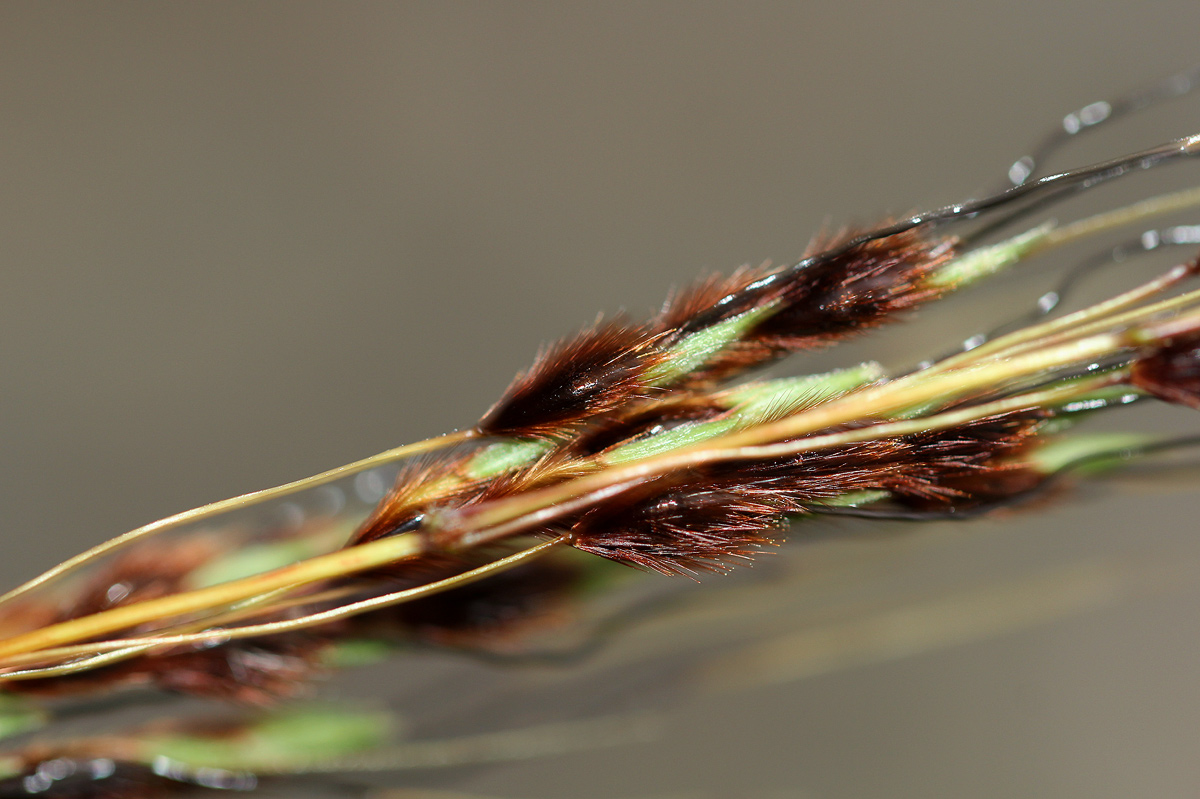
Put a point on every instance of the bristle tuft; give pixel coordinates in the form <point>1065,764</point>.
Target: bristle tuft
<point>683,307</point>
<point>711,517</point>
<point>680,530</point>
<point>853,290</point>
<point>402,509</point>
<point>579,377</point>
<point>835,293</point>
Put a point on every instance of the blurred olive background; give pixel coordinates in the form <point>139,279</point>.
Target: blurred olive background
<point>242,243</point>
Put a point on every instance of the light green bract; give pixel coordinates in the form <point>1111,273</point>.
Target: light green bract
<point>17,717</point>
<point>1091,452</point>
<point>695,350</point>
<point>505,456</point>
<point>296,738</point>
<point>987,261</point>
<point>750,405</point>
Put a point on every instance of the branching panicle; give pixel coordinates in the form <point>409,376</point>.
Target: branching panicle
<point>628,442</point>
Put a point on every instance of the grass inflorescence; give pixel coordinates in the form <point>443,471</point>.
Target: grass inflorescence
<point>648,443</point>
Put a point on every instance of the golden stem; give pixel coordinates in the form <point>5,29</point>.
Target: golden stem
<point>233,503</point>
<point>141,644</point>
<point>336,564</point>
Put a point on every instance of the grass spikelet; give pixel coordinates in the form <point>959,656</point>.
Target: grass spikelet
<point>576,379</point>
<point>680,529</point>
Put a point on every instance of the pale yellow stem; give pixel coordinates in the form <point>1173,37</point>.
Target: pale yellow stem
<point>1110,220</point>
<point>137,645</point>
<point>236,612</point>
<point>1101,316</point>
<point>344,562</point>
<point>233,503</point>
<point>941,421</point>
<point>1096,316</point>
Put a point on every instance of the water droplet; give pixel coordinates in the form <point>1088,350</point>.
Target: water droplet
<point>56,769</point>
<point>1020,171</point>
<point>1183,234</point>
<point>116,592</point>
<point>36,783</point>
<point>330,500</point>
<point>977,340</point>
<point>370,486</point>
<point>1095,113</point>
<point>289,515</point>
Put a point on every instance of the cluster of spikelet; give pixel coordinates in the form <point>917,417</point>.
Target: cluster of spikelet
<point>632,441</point>
<point>643,443</point>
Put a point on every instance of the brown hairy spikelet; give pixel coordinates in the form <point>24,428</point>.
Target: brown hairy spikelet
<point>711,516</point>
<point>151,570</point>
<point>854,289</point>
<point>831,295</point>
<point>403,507</point>
<point>680,529</point>
<point>837,291</point>
<point>683,306</point>
<point>577,378</point>
<point>975,465</point>
<point>919,469</point>
<point>828,297</point>
<point>249,671</point>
